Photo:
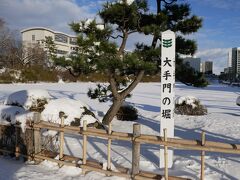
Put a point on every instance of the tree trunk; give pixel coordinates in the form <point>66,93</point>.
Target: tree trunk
<point>119,97</point>
<point>158,6</point>
<point>154,41</point>
<point>112,111</point>
<point>123,44</point>
<point>155,37</point>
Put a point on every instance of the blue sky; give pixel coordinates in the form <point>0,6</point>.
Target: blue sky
<point>221,24</point>
<point>220,31</point>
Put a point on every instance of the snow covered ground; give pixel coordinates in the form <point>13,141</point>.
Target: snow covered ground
<point>222,123</point>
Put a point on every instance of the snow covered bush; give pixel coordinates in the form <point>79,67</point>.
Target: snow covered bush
<point>15,115</point>
<point>238,101</point>
<point>189,105</point>
<point>19,109</point>
<point>8,113</point>
<point>11,115</point>
<point>20,106</point>
<point>33,100</point>
<point>75,112</point>
<point>127,113</point>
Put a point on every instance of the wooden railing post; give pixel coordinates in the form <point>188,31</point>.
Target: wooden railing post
<point>135,150</point>
<point>84,156</point>
<point>165,155</point>
<point>109,148</point>
<point>61,138</point>
<point>203,156</point>
<point>37,134</point>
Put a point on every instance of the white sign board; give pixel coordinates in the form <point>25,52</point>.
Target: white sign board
<point>167,90</point>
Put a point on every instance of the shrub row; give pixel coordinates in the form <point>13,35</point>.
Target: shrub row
<point>38,74</point>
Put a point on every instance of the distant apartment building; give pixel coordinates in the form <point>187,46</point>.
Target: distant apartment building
<point>235,63</point>
<point>193,62</point>
<point>230,58</point>
<point>65,43</point>
<point>228,70</point>
<point>207,67</point>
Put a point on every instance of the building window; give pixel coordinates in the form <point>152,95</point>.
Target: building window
<point>33,37</point>
<point>73,41</point>
<point>61,38</point>
<point>61,52</point>
<point>74,48</point>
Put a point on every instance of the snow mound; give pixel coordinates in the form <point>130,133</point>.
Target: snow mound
<point>8,113</point>
<point>88,118</point>
<point>70,171</point>
<point>190,100</point>
<point>15,115</point>
<point>60,81</point>
<point>28,99</point>
<point>3,70</point>
<point>189,105</point>
<point>23,118</point>
<point>72,109</point>
<point>238,101</point>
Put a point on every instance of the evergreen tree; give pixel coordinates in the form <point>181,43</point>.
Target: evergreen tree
<point>99,52</point>
<point>51,47</point>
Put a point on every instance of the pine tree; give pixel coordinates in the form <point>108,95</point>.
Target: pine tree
<point>99,52</point>
<point>50,47</point>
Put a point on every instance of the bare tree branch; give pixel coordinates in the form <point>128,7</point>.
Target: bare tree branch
<point>134,83</point>
<point>74,74</point>
<point>115,37</point>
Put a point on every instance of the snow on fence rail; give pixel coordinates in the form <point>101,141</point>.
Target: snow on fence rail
<point>136,138</point>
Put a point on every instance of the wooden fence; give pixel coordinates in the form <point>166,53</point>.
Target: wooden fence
<point>136,138</point>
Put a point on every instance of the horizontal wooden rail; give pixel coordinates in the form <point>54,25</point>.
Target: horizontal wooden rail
<point>197,147</point>
<point>90,166</point>
<point>98,167</point>
<point>192,142</point>
<point>151,139</point>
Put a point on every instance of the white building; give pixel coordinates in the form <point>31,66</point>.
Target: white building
<point>195,63</point>
<point>233,68</point>
<point>230,59</point>
<point>235,62</point>
<point>65,43</point>
<point>207,67</point>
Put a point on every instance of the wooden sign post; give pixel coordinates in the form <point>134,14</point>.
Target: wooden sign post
<point>167,90</point>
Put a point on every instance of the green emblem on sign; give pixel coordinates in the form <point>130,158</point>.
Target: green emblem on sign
<point>167,43</point>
